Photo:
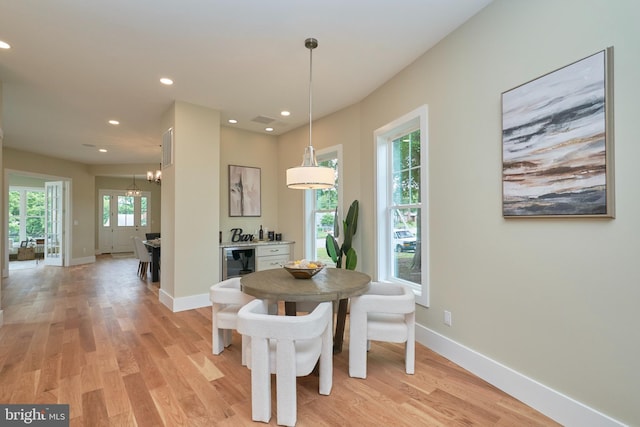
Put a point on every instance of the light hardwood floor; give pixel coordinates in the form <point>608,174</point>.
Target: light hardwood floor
<point>96,337</point>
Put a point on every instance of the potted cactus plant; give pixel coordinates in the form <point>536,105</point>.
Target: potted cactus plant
<point>349,226</point>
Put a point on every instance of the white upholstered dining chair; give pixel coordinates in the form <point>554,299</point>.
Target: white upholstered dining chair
<point>143,255</point>
<point>290,347</point>
<point>385,313</point>
<point>226,300</point>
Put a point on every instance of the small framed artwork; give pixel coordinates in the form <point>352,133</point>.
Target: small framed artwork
<point>244,191</point>
<point>557,142</point>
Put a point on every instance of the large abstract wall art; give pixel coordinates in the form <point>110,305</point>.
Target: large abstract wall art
<point>244,191</point>
<point>557,142</point>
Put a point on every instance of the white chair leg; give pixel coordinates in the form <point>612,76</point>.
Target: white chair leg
<point>410,349</point>
<point>286,399</point>
<point>260,382</point>
<point>358,346</point>
<point>326,363</point>
<point>217,336</point>
<point>227,337</point>
<point>409,354</point>
<point>246,342</point>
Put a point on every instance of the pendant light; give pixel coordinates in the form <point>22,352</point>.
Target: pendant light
<point>310,176</point>
<point>133,190</point>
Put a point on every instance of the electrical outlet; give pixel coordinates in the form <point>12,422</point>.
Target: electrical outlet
<point>447,318</point>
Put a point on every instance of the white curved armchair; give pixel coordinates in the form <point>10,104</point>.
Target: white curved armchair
<point>226,300</point>
<point>288,346</point>
<point>385,313</point>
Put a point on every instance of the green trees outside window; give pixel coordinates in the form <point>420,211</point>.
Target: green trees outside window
<point>26,214</point>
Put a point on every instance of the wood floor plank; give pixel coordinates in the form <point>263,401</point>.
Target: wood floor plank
<point>115,393</point>
<point>200,385</point>
<point>97,338</point>
<point>94,409</point>
<point>26,387</point>
<point>169,408</point>
<point>91,377</point>
<point>71,394</point>
<point>36,353</point>
<point>125,419</point>
<point>54,339</point>
<point>142,403</point>
<point>50,373</point>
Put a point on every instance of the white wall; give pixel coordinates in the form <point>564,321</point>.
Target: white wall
<point>554,299</point>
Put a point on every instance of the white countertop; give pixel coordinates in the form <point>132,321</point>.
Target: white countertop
<point>254,243</point>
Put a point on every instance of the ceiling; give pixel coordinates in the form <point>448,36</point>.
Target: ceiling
<point>74,65</point>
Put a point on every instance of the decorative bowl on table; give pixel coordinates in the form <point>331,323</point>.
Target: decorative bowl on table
<point>303,269</point>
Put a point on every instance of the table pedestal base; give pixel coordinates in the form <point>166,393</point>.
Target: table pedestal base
<point>341,318</point>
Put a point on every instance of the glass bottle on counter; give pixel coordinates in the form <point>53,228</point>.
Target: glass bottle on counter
<point>261,234</point>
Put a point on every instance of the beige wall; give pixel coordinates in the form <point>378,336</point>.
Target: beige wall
<point>243,148</point>
<point>554,299</point>
<point>341,128</point>
<point>191,205</point>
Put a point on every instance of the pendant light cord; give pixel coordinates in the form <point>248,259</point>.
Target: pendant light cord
<point>311,47</point>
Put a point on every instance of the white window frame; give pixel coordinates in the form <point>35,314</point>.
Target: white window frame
<point>384,228</point>
<point>23,209</point>
<point>335,151</point>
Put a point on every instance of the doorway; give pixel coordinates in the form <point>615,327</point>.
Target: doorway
<point>36,219</point>
<point>122,217</point>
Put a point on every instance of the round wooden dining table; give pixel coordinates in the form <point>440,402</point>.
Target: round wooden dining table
<point>331,284</point>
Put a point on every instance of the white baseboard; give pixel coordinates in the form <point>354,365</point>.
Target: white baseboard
<point>184,303</point>
<point>85,260</point>
<point>551,403</point>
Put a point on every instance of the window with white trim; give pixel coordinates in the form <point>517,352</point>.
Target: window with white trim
<point>321,207</point>
<point>402,215</point>
<point>26,214</point>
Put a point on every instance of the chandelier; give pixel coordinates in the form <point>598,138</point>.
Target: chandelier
<point>310,176</point>
<point>133,190</point>
<point>155,176</point>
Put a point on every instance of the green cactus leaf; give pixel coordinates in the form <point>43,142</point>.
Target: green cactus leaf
<point>352,216</point>
<point>351,260</point>
<point>332,247</point>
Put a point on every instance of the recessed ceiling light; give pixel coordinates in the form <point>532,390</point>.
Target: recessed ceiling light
<point>269,129</point>
<point>114,122</point>
<point>233,121</point>
<point>285,113</point>
<point>166,81</point>
<point>103,150</point>
<point>4,45</point>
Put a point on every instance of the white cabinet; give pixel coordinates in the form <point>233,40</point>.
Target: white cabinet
<point>272,256</point>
